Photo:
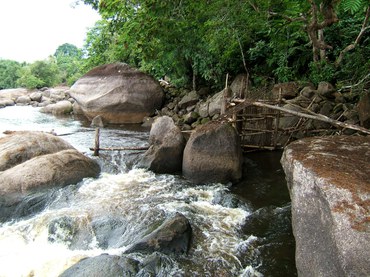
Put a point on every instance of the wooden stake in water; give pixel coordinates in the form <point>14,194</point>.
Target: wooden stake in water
<point>97,142</point>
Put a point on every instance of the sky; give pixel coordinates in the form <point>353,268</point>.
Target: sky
<point>32,30</point>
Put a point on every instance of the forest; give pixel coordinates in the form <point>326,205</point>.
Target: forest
<point>196,43</point>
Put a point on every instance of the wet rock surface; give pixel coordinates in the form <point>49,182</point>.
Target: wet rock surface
<point>173,236</point>
<point>328,180</point>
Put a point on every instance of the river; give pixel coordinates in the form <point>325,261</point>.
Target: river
<point>239,230</point>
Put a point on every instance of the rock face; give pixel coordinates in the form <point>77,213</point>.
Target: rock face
<point>328,180</point>
<point>213,154</point>
<point>173,236</point>
<point>166,147</point>
<point>119,93</point>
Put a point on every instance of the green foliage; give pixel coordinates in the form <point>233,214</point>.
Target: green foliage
<point>69,61</point>
<point>9,73</point>
<point>352,6</point>
<point>201,41</point>
<point>321,71</point>
<point>39,74</point>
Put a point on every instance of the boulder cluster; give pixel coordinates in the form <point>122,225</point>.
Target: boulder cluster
<point>51,100</point>
<point>211,154</point>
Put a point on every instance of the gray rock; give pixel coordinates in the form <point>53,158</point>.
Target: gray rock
<point>328,180</point>
<point>308,92</point>
<point>213,154</point>
<point>189,99</point>
<point>215,103</point>
<point>325,89</point>
<point>58,169</point>
<point>203,109</point>
<point>191,117</point>
<point>13,94</point>
<point>289,121</point>
<point>36,96</point>
<point>103,266</point>
<point>22,146</point>
<point>166,147</point>
<point>23,100</point>
<point>119,93</point>
<point>239,85</point>
<point>288,90</point>
<point>60,108</point>
<point>6,102</point>
<point>97,121</point>
<point>173,236</point>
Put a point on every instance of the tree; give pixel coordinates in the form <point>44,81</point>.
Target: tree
<point>39,74</point>
<point>69,60</point>
<point>9,73</point>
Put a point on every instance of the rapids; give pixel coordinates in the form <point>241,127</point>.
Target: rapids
<point>240,230</point>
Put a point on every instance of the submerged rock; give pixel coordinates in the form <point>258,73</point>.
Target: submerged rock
<point>328,180</point>
<point>173,236</point>
<point>103,265</point>
<point>213,154</point>
<point>117,92</point>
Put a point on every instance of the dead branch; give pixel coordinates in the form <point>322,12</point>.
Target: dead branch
<point>352,46</point>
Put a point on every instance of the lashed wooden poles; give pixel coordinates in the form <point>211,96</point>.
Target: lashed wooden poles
<point>312,115</point>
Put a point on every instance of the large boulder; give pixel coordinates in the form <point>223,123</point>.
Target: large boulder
<point>18,147</point>
<point>117,92</point>
<point>213,154</point>
<point>173,236</point>
<point>328,180</point>
<point>166,147</point>
<point>58,169</point>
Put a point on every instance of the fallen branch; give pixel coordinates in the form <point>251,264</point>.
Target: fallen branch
<point>312,115</point>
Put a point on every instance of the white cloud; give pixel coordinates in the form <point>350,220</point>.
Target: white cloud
<point>33,29</point>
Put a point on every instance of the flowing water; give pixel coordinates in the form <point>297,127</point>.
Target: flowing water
<point>239,230</point>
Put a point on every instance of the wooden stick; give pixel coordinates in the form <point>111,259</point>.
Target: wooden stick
<point>97,142</point>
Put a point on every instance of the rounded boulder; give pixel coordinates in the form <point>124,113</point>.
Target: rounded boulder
<point>213,154</point>
<point>118,93</point>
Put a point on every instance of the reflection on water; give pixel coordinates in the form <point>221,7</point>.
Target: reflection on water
<point>241,230</point>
